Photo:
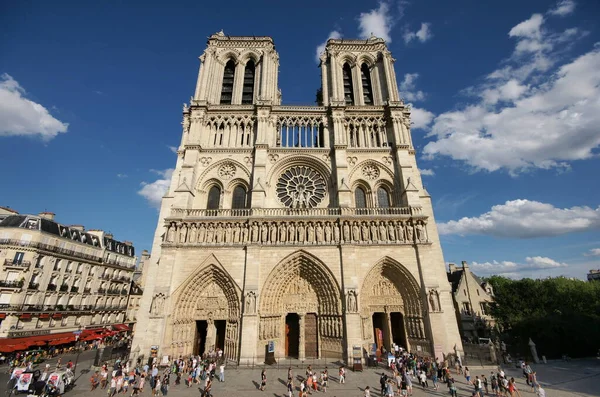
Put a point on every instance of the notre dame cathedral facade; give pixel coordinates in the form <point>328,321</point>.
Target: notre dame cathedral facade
<point>306,226</point>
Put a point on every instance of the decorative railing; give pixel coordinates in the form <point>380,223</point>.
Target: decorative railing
<point>52,248</point>
<point>12,284</point>
<point>294,212</point>
<point>34,286</point>
<point>46,308</point>
<point>17,264</point>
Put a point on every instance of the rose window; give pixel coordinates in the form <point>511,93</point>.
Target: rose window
<point>370,171</point>
<point>227,171</point>
<point>301,187</point>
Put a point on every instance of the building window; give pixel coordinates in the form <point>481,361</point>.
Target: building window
<point>38,262</point>
<point>366,84</point>
<point>57,265</point>
<point>465,292</point>
<point>383,197</point>
<point>248,89</point>
<point>483,308</point>
<point>239,197</point>
<point>466,308</point>
<point>348,88</point>
<point>227,88</point>
<point>18,258</point>
<point>214,198</point>
<point>477,292</point>
<point>360,198</point>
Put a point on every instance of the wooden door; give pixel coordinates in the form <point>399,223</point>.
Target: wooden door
<point>311,337</point>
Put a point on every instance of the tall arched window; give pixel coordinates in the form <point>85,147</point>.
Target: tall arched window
<point>214,198</point>
<point>348,88</point>
<point>239,197</point>
<point>227,89</point>
<point>366,84</point>
<point>248,89</point>
<point>360,198</point>
<point>383,197</point>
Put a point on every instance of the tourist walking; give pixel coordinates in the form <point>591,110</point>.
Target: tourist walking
<point>208,387</point>
<point>468,375</point>
<point>263,380</point>
<point>367,391</point>
<point>222,372</point>
<point>342,374</point>
<point>290,388</point>
<point>512,388</point>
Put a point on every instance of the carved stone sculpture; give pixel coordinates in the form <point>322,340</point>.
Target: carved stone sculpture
<point>171,233</point>
<point>193,235</point>
<point>352,304</point>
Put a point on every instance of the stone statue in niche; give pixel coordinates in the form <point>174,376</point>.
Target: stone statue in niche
<point>327,232</point>
<point>228,233</point>
<point>409,232</point>
<point>250,303</point>
<point>182,233</point>
<point>301,232</point>
<point>391,231</point>
<point>171,233</point>
<point>236,233</point>
<point>210,234</point>
<point>273,233</point>
<point>382,231</point>
<point>364,228</point>
<point>219,233</point>
<point>193,235</point>
<point>355,232</point>
<point>311,232</point>
<point>400,231</point>
<point>282,232</point>
<point>158,304</point>
<point>421,232</point>
<point>336,232</point>
<point>374,232</point>
<point>244,232</point>
<point>352,303</point>
<point>264,232</point>
<point>434,300</point>
<point>346,231</point>
<point>201,233</point>
<point>319,232</point>
<point>291,232</point>
<point>254,232</point>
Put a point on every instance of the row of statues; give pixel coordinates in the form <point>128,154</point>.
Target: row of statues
<point>317,232</point>
<point>331,326</point>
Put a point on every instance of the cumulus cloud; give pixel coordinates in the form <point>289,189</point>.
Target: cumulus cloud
<point>593,252</point>
<point>423,34</point>
<point>563,7</point>
<point>513,269</point>
<point>20,116</point>
<point>421,118</point>
<point>173,149</point>
<point>408,88</point>
<point>529,113</point>
<point>154,191</point>
<point>321,47</point>
<point>377,22</point>
<point>427,172</point>
<point>526,219</point>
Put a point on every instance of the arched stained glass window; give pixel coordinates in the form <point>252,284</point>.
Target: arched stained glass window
<point>360,198</point>
<point>239,197</point>
<point>348,88</point>
<point>214,198</point>
<point>227,89</point>
<point>366,84</point>
<point>383,197</point>
<point>248,89</point>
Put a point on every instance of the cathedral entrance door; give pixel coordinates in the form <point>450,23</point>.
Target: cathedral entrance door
<point>220,326</point>
<point>398,331</point>
<point>379,331</point>
<point>292,335</point>
<point>200,342</point>
<point>311,342</point>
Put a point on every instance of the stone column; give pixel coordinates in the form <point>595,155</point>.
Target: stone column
<point>301,343</point>
<point>387,332</point>
<point>211,335</point>
<point>324,80</point>
<point>238,83</point>
<point>359,98</point>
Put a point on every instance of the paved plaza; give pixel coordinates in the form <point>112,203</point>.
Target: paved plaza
<point>559,378</point>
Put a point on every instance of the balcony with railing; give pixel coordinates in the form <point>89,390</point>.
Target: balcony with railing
<point>182,213</point>
<point>87,290</point>
<point>51,287</point>
<point>33,286</point>
<point>64,288</point>
<point>14,284</point>
<point>12,264</point>
<point>74,288</point>
<point>53,248</point>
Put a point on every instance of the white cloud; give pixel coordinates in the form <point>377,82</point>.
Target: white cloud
<point>20,116</point>
<point>526,219</point>
<point>563,7</point>
<point>593,252</point>
<point>408,88</point>
<point>423,34</point>
<point>527,114</point>
<point>377,22</point>
<point>421,118</point>
<point>321,47</point>
<point>121,176</point>
<point>513,269</point>
<point>154,191</point>
<point>427,172</point>
<point>173,149</point>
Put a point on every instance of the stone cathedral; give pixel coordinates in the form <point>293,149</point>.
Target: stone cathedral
<point>306,228</point>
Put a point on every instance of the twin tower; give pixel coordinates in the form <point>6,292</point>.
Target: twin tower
<point>295,231</point>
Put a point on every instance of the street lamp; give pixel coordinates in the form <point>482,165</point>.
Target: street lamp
<point>77,333</point>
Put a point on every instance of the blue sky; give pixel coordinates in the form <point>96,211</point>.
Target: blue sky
<point>506,106</point>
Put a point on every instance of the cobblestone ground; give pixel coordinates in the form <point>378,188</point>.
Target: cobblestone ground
<point>574,378</point>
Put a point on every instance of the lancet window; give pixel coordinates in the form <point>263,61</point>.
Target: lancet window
<point>366,132</point>
<point>348,88</point>
<point>360,198</point>
<point>300,132</point>
<point>239,197</point>
<point>248,89</point>
<point>214,198</point>
<point>366,84</point>
<point>383,197</point>
<point>228,78</point>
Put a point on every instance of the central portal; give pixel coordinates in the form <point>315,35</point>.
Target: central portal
<point>292,335</point>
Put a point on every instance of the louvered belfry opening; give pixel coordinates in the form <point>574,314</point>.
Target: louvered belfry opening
<point>248,89</point>
<point>348,89</point>
<point>366,84</point>
<point>227,89</point>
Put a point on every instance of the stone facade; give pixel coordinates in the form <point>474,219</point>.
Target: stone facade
<point>472,299</point>
<point>57,279</point>
<point>307,226</point>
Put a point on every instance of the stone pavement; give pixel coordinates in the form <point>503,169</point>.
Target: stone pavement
<point>574,378</point>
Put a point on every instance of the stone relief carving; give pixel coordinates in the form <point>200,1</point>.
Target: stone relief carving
<point>273,158</point>
<point>352,304</point>
<point>352,160</point>
<point>434,300</point>
<point>205,161</point>
<point>248,160</point>
<point>227,171</point>
<point>297,232</point>
<point>158,304</point>
<point>250,307</point>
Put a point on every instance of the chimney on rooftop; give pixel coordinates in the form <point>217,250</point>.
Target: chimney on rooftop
<point>47,215</point>
<point>79,228</point>
<point>451,267</point>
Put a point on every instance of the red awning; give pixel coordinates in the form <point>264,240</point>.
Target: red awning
<point>57,315</point>
<point>39,340</point>
<point>44,315</point>
<point>121,327</point>
<point>2,315</point>
<point>25,316</point>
